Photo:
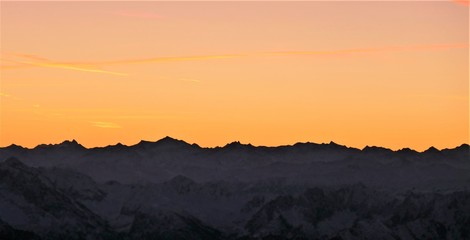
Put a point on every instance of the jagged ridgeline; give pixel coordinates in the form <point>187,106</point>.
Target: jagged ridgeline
<point>170,189</point>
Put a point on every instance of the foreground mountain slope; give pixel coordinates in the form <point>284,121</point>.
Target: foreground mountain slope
<point>29,201</point>
<point>79,208</point>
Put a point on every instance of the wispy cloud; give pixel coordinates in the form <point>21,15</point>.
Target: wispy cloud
<point>277,53</point>
<point>167,59</point>
<point>190,80</point>
<point>10,96</point>
<point>94,66</point>
<point>27,60</point>
<point>138,117</point>
<point>4,94</point>
<point>105,125</point>
<point>74,67</point>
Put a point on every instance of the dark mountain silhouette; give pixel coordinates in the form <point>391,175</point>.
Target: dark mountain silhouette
<point>170,189</point>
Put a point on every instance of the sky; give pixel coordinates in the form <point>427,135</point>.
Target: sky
<point>391,74</point>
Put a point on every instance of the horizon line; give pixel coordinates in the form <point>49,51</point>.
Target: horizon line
<point>229,143</point>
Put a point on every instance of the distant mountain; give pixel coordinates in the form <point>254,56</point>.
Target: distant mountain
<point>323,164</point>
<point>170,189</point>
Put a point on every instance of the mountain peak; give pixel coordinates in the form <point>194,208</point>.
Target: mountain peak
<point>14,146</point>
<point>236,144</point>
<point>406,150</point>
<point>373,148</point>
<point>432,149</point>
<point>166,139</point>
<point>70,144</point>
<point>335,145</point>
<point>117,146</point>
<point>67,144</point>
<point>165,142</point>
<point>169,139</point>
<point>464,146</point>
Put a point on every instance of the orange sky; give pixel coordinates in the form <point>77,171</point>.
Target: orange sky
<point>392,74</point>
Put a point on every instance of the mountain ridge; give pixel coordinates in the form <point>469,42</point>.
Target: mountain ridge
<point>327,163</point>
<point>171,140</point>
<point>170,189</point>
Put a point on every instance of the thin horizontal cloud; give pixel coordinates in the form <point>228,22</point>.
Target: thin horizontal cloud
<point>13,57</point>
<point>95,66</point>
<point>92,66</point>
<point>30,56</point>
<point>190,80</point>
<point>70,67</point>
<point>137,117</point>
<point>277,53</point>
<point>119,117</point>
<point>10,97</point>
<point>29,60</point>
<point>105,125</point>
<point>167,59</point>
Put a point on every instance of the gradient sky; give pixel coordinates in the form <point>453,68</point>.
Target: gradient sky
<point>392,74</point>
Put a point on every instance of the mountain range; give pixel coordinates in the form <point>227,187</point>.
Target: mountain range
<point>170,189</point>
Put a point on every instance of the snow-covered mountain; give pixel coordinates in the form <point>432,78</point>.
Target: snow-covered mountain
<point>170,189</point>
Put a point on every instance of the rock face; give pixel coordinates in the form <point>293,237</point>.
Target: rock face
<point>30,202</point>
<point>173,190</point>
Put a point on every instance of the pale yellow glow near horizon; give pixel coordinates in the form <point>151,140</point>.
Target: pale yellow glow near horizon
<point>391,74</point>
